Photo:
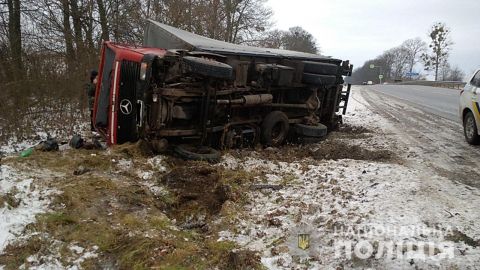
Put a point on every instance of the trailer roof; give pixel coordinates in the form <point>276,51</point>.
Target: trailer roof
<point>164,36</point>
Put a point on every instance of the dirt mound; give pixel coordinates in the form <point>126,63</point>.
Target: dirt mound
<point>345,128</point>
<point>328,149</point>
<point>243,259</point>
<point>132,150</point>
<point>197,193</point>
<point>285,153</point>
<point>458,236</point>
<point>340,150</point>
<point>347,131</point>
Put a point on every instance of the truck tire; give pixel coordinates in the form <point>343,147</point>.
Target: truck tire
<point>207,67</point>
<point>470,129</point>
<point>320,68</point>
<point>274,129</point>
<point>317,131</point>
<point>191,152</point>
<point>315,79</point>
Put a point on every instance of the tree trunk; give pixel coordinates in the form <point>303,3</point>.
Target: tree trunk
<point>15,36</point>
<point>103,20</point>
<point>88,28</point>
<point>236,24</point>
<point>190,23</point>
<point>67,32</point>
<point>228,14</point>
<point>77,28</point>
<point>213,24</point>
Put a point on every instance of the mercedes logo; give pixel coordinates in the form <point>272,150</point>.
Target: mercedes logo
<point>126,107</point>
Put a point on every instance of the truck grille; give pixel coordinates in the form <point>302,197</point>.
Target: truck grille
<point>127,122</point>
<point>130,72</point>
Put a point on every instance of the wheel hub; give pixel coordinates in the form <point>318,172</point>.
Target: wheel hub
<point>470,127</point>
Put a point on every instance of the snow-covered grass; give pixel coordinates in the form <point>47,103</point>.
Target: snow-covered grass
<point>36,262</point>
<point>26,199</point>
<point>16,144</point>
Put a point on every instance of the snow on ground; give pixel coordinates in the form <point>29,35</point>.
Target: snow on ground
<point>36,262</point>
<point>408,215</point>
<point>21,199</point>
<point>15,144</point>
<point>359,115</point>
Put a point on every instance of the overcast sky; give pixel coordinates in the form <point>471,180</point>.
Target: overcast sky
<point>362,29</point>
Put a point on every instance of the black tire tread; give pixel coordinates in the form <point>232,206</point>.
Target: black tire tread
<point>183,151</point>
<point>267,125</point>
<point>317,131</point>
<point>476,138</point>
<point>320,68</point>
<point>316,79</point>
<point>207,67</point>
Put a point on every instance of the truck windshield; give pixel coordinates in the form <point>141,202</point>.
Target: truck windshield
<point>101,118</point>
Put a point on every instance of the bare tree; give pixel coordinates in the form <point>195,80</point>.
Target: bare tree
<point>401,62</point>
<point>415,48</point>
<point>245,18</point>
<point>456,74</point>
<point>272,39</point>
<point>439,46</point>
<point>450,73</point>
<point>444,70</point>
<point>393,64</point>
<point>298,39</point>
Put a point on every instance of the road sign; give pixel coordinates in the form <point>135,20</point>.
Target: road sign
<point>372,66</point>
<point>380,76</point>
<point>412,74</point>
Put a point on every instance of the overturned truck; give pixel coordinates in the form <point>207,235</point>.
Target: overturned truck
<point>183,88</point>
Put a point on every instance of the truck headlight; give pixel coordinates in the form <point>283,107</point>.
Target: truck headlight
<point>143,71</point>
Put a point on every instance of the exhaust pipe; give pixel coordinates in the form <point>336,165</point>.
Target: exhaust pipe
<point>248,100</point>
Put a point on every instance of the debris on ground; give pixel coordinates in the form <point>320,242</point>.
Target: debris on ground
<point>48,145</point>
<point>335,149</point>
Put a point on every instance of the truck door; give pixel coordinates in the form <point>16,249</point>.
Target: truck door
<point>103,93</point>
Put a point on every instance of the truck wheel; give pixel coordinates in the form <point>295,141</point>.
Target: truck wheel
<point>315,79</point>
<point>470,129</point>
<point>207,67</point>
<point>274,128</point>
<point>191,152</point>
<point>317,131</point>
<point>320,68</point>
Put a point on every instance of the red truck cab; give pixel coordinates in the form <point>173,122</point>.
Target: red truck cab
<point>119,98</point>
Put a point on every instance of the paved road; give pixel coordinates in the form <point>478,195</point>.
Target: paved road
<point>439,101</point>
<point>433,141</point>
